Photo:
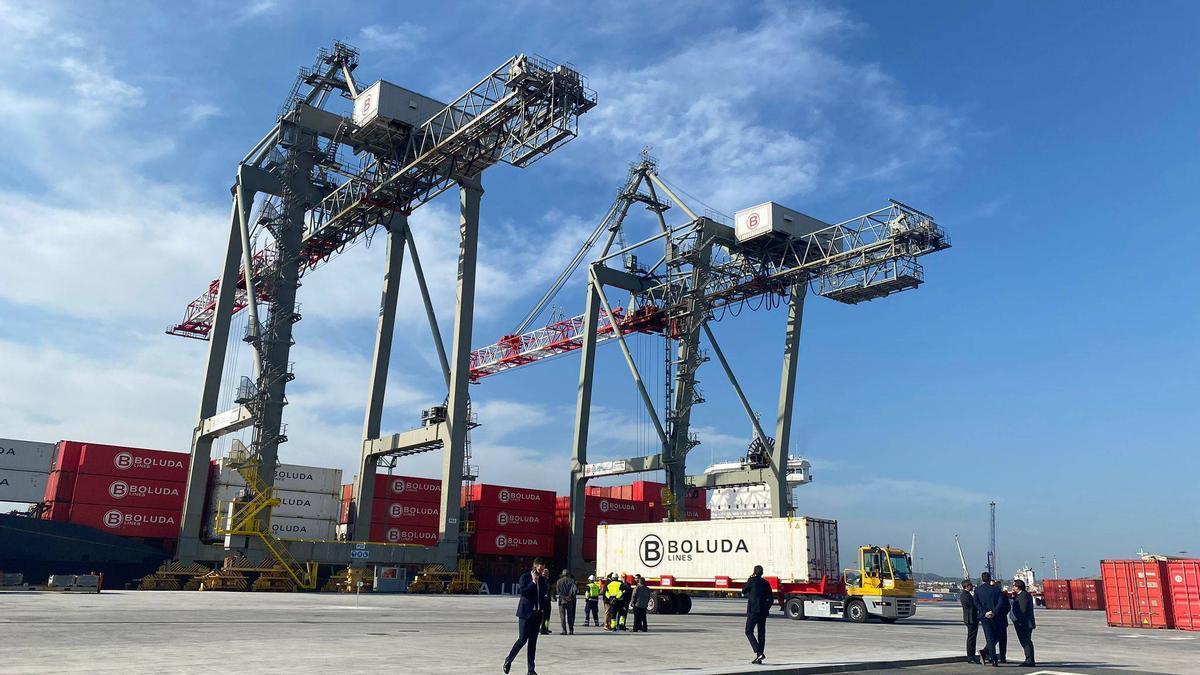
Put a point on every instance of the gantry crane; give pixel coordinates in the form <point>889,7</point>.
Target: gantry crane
<point>329,180</point>
<point>704,270</point>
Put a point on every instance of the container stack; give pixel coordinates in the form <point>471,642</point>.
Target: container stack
<point>132,492</point>
<point>510,521</point>
<point>638,502</point>
<point>407,510</point>
<point>24,470</point>
<point>1056,593</point>
<point>309,498</point>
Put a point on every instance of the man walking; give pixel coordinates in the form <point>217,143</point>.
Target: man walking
<point>988,603</point>
<point>546,603</point>
<point>591,601</point>
<point>970,619</point>
<point>1023,623</point>
<point>758,605</point>
<point>532,589</point>
<point>641,601</point>
<point>566,590</point>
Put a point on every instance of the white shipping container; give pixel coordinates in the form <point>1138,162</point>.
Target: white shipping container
<point>384,102</point>
<point>312,505</point>
<point>793,549</point>
<point>22,486</point>
<point>769,217</point>
<point>289,478</point>
<point>303,528</point>
<point>26,455</point>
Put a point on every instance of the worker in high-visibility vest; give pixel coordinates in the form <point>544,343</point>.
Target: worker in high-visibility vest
<point>626,596</point>
<point>591,601</point>
<point>612,591</point>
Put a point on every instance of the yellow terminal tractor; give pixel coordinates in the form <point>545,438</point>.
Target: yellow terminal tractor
<point>882,586</point>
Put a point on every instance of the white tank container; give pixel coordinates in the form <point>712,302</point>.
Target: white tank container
<point>312,505</point>
<point>22,486</point>
<point>25,455</point>
<point>289,478</point>
<point>770,218</point>
<point>793,549</point>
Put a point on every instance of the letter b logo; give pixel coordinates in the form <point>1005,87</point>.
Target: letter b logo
<point>650,550</point>
<point>123,460</point>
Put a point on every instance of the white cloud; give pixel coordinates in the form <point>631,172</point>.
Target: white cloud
<point>769,112</point>
<point>403,37</point>
<point>198,112</point>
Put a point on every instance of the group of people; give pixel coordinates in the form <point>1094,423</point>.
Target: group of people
<point>989,607</point>
<point>536,595</point>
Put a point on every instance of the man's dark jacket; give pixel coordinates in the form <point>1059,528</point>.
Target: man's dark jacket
<point>758,596</point>
<point>1022,610</point>
<point>988,598</point>
<point>533,593</point>
<point>970,614</point>
<point>1005,608</point>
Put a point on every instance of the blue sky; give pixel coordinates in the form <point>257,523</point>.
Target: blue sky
<point>1050,361</point>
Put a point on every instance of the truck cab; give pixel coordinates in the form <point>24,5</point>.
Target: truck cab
<point>882,586</point>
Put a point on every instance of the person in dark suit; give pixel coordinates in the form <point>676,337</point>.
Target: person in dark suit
<point>1001,621</point>
<point>546,604</point>
<point>1023,623</point>
<point>988,604</point>
<point>970,620</point>
<point>534,592</point>
<point>758,605</point>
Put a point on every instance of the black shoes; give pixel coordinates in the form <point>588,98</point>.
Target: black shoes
<point>972,659</point>
<point>507,665</point>
<point>758,659</point>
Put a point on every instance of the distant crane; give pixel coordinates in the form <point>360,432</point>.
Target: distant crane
<point>992,567</point>
<point>962,559</point>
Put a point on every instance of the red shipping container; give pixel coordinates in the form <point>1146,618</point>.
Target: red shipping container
<point>512,520</point>
<point>500,496</point>
<point>510,544</point>
<point>1056,593</point>
<point>126,521</point>
<point>1135,593</point>
<point>659,513</point>
<point>1183,587</point>
<point>136,492</point>
<point>404,534</point>
<point>408,488</point>
<point>66,455</point>
<point>1086,593</point>
<point>60,486</point>
<point>57,511</point>
<point>111,460</point>
<point>347,504</point>
<point>415,514</point>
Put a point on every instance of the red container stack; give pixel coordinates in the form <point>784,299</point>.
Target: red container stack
<point>1183,587</point>
<point>511,521</point>
<point>1086,593</point>
<point>1056,593</point>
<point>1135,593</point>
<point>406,509</point>
<point>132,492</point>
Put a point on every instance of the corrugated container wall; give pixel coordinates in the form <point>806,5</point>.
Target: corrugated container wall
<point>1056,593</point>
<point>289,477</point>
<point>1135,593</point>
<point>292,504</point>
<point>18,455</point>
<point>113,460</point>
<point>793,549</point>
<point>1086,593</point>
<point>22,486</point>
<point>135,492</point>
<point>1183,586</point>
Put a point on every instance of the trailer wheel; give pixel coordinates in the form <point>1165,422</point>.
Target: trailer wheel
<point>682,604</point>
<point>794,609</point>
<point>660,603</point>
<point>856,611</point>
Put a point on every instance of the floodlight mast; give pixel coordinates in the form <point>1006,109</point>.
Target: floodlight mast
<point>517,114</point>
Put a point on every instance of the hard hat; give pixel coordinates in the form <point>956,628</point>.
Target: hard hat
<point>591,577</point>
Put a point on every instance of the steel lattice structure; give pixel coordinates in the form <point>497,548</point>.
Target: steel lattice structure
<point>328,183</point>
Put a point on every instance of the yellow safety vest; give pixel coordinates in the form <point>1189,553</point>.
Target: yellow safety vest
<point>592,590</point>
<point>614,590</point>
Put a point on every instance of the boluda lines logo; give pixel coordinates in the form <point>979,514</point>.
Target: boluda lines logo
<point>395,535</point>
<point>400,486</point>
<point>119,489</point>
<point>653,550</point>
<point>504,518</point>
<point>409,510</point>
<point>113,519</point>
<point>125,460</point>
<point>513,497</point>
<point>506,541</point>
<point>615,507</point>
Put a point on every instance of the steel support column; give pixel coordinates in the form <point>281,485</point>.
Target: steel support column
<point>364,489</point>
<point>197,485</point>
<point>583,416</point>
<point>458,408</point>
<point>787,396</point>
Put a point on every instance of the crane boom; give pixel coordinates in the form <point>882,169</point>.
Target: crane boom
<point>517,114</point>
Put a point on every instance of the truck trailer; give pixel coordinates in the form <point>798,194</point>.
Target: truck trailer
<point>799,557</point>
